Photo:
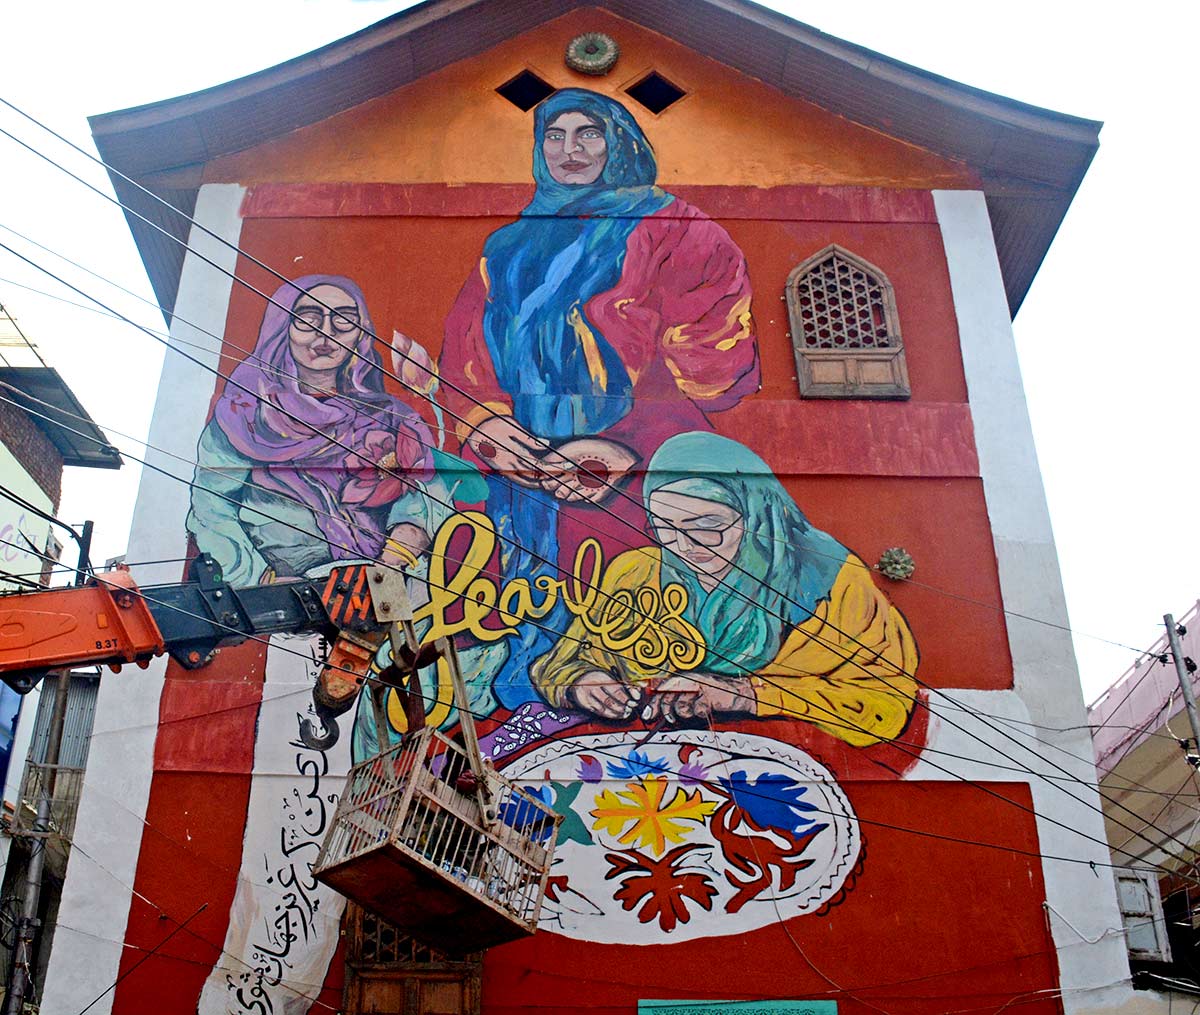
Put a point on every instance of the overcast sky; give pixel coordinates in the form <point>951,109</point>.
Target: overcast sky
<point>1109,345</point>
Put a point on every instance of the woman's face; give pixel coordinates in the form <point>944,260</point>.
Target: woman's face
<point>575,149</point>
<point>313,329</point>
<point>701,532</point>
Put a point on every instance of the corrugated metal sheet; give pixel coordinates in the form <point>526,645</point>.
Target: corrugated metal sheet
<point>77,733</point>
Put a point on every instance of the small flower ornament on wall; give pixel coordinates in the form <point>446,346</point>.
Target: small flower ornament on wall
<point>592,53</point>
<point>896,563</point>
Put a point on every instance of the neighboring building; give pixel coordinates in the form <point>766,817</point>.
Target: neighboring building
<point>33,452</point>
<point>796,356</point>
<point>1146,756</point>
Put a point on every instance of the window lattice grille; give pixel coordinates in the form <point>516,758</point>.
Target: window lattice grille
<point>379,943</point>
<point>842,306</point>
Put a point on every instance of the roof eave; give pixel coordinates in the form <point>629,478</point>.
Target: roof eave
<point>1031,159</point>
<point>54,409</point>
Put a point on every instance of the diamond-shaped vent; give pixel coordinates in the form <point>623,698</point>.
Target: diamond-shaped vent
<point>526,90</point>
<point>655,92</point>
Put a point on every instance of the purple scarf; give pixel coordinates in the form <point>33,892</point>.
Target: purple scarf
<point>294,437</point>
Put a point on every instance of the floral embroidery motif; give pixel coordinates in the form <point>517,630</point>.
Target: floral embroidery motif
<point>661,886</point>
<point>697,828</point>
<point>636,764</point>
<point>385,466</point>
<point>640,815</point>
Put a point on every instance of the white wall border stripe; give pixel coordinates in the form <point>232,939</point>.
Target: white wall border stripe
<point>95,902</point>
<point>1083,903</point>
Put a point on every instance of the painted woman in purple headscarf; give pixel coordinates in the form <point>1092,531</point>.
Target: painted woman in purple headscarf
<point>276,492</point>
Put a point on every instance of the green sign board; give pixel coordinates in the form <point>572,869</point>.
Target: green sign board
<point>737,1008</point>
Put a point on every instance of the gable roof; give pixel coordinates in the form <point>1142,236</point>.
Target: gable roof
<point>1030,160</point>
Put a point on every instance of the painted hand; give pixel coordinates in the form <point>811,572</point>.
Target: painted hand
<point>405,544</point>
<point>586,469</point>
<point>505,447</point>
<point>682,698</point>
<point>606,696</point>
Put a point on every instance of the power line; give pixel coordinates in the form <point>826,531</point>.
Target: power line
<point>17,328</point>
<point>471,398</point>
<point>748,793</point>
<point>833,648</point>
<point>52,296</point>
<point>232,345</point>
<point>332,310</point>
<point>603,480</point>
<point>274,272</point>
<point>618,756</point>
<point>1036,622</point>
<point>346,447</point>
<point>1008,720</point>
<point>1190,777</point>
<point>191,933</point>
<point>113,985</point>
<point>900,743</point>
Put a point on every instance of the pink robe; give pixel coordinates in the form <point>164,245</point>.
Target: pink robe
<point>678,317</point>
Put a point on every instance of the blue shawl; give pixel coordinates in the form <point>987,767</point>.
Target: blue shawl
<point>567,246</point>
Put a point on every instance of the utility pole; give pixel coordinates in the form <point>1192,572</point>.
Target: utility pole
<point>1185,685</point>
<point>27,925</point>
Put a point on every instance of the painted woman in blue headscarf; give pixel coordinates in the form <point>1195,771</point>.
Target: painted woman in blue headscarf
<point>608,317</point>
<point>791,621</point>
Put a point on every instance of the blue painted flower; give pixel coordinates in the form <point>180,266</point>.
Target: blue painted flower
<point>771,801</point>
<point>637,764</point>
<point>520,813</point>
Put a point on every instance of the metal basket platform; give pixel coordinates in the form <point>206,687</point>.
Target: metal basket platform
<point>411,843</point>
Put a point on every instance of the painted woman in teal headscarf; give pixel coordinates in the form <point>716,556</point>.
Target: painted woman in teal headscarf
<point>606,318</point>
<point>791,621</point>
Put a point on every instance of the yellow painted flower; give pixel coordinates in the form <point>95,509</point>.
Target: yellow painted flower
<point>640,816</point>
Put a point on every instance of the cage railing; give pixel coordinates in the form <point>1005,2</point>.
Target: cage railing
<point>410,818</point>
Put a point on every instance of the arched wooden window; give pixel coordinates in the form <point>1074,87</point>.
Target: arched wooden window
<point>845,330</point>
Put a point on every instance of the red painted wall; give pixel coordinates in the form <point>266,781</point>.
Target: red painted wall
<point>400,194</point>
<point>877,474</point>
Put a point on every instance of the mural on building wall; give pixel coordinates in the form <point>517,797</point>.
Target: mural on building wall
<point>288,478</point>
<point>688,835</point>
<point>635,595</point>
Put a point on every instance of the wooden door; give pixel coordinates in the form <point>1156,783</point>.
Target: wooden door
<point>388,973</point>
<point>409,992</point>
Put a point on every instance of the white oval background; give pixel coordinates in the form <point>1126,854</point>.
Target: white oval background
<point>588,909</point>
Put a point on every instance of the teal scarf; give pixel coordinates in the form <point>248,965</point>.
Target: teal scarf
<point>783,567</point>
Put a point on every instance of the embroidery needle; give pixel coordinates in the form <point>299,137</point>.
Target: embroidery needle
<point>662,721</point>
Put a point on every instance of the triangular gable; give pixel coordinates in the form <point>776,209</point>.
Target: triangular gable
<point>452,126</point>
<point>1029,161</point>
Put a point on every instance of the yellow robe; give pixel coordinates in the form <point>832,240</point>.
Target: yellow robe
<point>845,669</point>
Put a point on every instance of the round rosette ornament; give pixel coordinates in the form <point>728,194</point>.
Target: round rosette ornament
<point>592,53</point>
<point>896,563</point>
